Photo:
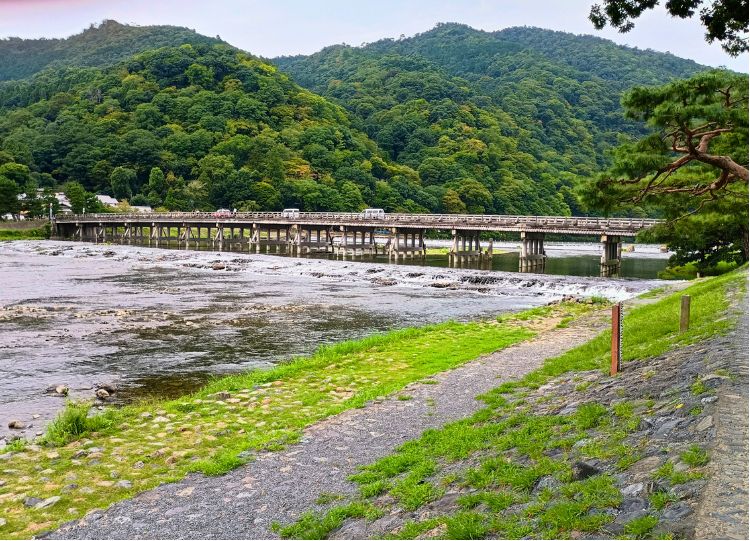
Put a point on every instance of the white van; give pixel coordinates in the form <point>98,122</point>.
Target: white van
<point>290,213</point>
<point>373,214</point>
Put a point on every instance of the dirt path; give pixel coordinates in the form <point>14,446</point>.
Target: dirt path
<point>724,510</point>
<point>277,486</point>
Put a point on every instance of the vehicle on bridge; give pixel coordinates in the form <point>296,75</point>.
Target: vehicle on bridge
<point>223,213</point>
<point>290,213</point>
<point>373,214</point>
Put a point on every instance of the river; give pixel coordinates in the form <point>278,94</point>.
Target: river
<point>160,322</point>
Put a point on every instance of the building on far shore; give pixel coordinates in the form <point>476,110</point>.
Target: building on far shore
<point>107,200</point>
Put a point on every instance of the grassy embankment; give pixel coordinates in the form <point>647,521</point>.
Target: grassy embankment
<point>495,458</point>
<point>25,230</point>
<point>84,462</point>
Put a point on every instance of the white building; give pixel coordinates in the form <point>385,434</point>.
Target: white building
<point>107,200</point>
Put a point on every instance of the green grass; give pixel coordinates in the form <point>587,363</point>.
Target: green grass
<point>640,528</point>
<point>695,456</point>
<point>73,422</point>
<point>508,443</point>
<point>24,234</point>
<point>698,387</point>
<point>311,526</point>
<point>659,500</point>
<point>261,410</point>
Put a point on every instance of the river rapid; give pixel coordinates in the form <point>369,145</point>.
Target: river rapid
<point>159,322</point>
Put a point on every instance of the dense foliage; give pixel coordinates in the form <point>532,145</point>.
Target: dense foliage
<point>505,122</point>
<point>98,46</point>
<point>198,127</point>
<point>452,120</point>
<point>694,166</point>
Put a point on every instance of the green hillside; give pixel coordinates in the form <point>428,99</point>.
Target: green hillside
<point>191,127</point>
<point>98,46</point>
<point>524,112</point>
<point>452,120</point>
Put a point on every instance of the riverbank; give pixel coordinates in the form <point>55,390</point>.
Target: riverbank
<point>513,459</point>
<point>86,462</point>
<point>569,452</point>
<point>162,322</point>
<point>25,230</point>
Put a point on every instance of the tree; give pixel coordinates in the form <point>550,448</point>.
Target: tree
<point>725,20</point>
<point>8,196</point>
<point>452,203</point>
<point>122,180</point>
<point>699,147</point>
<point>80,199</point>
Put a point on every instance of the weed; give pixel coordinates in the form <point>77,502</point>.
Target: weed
<point>404,397</point>
<point>698,387</point>
<point>639,528</point>
<point>74,421</point>
<point>659,500</point>
<point>324,498</point>
<point>313,526</point>
<point>695,456</point>
<point>466,525</point>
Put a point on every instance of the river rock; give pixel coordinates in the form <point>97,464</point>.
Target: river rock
<point>3,522</point>
<point>583,470</point>
<point>111,389</point>
<point>102,394</point>
<point>124,484</point>
<point>677,511</point>
<point>31,501</point>
<point>705,423</point>
<point>709,399</point>
<point>49,502</point>
<point>218,266</point>
<point>15,424</point>
<point>633,490</point>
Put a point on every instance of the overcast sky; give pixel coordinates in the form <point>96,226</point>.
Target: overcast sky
<point>283,27</point>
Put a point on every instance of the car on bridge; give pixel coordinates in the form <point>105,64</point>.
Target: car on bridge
<point>223,213</point>
<point>373,214</point>
<point>290,213</point>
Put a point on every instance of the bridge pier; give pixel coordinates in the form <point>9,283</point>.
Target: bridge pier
<point>312,238</point>
<point>406,243</point>
<point>532,256</point>
<point>466,249</point>
<point>356,241</point>
<point>611,260</point>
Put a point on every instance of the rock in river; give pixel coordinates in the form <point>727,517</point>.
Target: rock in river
<point>16,424</point>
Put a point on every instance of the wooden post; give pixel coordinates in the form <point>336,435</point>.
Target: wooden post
<point>685,313</point>
<point>616,339</point>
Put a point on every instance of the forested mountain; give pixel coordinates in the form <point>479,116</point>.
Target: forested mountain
<point>515,117</point>
<point>195,127</point>
<point>98,46</point>
<point>452,120</point>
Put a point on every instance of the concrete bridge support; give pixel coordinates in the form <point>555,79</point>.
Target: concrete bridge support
<point>466,250</point>
<point>311,238</point>
<point>274,238</point>
<point>611,260</point>
<point>356,241</point>
<point>532,257</point>
<point>406,243</point>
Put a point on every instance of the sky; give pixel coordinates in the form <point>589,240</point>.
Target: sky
<point>288,27</point>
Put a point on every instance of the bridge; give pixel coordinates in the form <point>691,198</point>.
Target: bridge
<point>349,234</point>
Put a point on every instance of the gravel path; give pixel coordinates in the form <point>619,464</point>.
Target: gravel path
<point>244,503</point>
<point>724,511</point>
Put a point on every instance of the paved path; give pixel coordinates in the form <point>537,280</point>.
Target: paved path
<point>278,486</point>
<point>724,510</point>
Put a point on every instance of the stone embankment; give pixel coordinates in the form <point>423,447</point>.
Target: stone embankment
<point>672,461</point>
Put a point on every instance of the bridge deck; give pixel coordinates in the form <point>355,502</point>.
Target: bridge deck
<point>572,225</point>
